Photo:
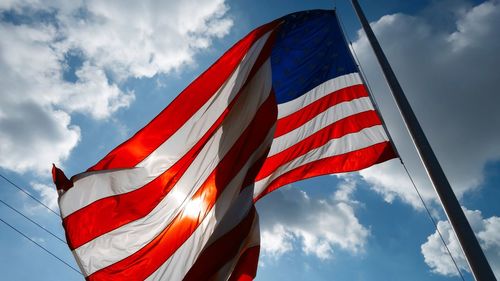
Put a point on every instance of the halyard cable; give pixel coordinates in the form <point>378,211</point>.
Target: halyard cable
<point>401,160</point>
<point>432,219</point>
<point>34,222</point>
<point>365,81</point>
<point>31,196</point>
<point>40,246</point>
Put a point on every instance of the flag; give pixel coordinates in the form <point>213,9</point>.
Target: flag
<point>176,200</point>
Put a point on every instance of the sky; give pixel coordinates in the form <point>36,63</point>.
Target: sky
<point>80,77</point>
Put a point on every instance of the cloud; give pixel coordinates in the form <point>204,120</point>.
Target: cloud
<point>486,230</point>
<point>60,58</point>
<point>289,217</point>
<point>141,39</point>
<point>34,136</point>
<point>48,194</point>
<point>448,67</point>
<point>276,241</point>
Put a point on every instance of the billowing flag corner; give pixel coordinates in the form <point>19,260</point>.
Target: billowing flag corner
<point>176,200</point>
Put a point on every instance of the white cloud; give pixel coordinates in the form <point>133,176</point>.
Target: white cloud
<point>92,94</point>
<point>289,217</point>
<point>391,181</point>
<point>448,66</point>
<point>276,241</point>
<point>144,38</point>
<point>34,136</point>
<point>111,40</point>
<point>486,230</point>
<point>48,194</point>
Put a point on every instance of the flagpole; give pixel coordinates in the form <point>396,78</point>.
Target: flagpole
<point>480,267</point>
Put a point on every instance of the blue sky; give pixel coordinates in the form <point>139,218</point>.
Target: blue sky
<point>78,79</point>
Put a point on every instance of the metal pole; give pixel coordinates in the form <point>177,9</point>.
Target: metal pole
<point>481,270</point>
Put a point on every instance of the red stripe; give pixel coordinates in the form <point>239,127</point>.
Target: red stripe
<point>163,126</point>
<point>145,261</point>
<point>300,117</point>
<point>88,223</point>
<point>348,162</point>
<point>246,268</point>
<point>348,125</point>
<point>225,248</point>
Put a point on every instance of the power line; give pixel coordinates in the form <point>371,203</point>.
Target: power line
<point>34,222</point>
<point>31,196</point>
<point>40,246</point>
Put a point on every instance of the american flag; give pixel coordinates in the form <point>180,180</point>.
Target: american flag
<point>176,200</point>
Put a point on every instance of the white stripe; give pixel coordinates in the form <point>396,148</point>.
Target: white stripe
<point>231,207</point>
<point>320,121</point>
<point>324,89</point>
<point>348,143</point>
<point>122,242</point>
<point>97,185</point>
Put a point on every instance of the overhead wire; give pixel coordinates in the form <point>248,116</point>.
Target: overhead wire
<point>40,246</point>
<point>365,79</point>
<point>32,221</point>
<point>31,196</point>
